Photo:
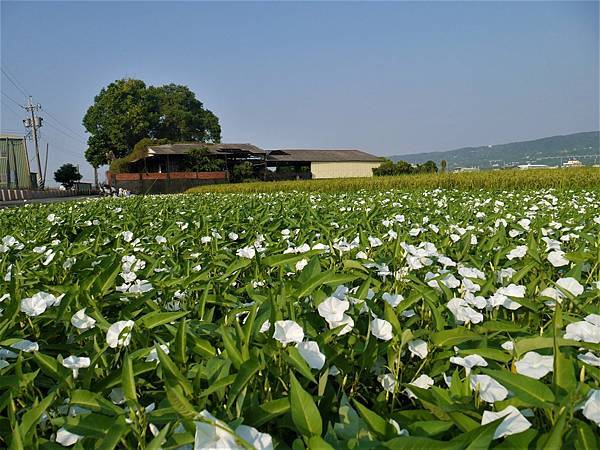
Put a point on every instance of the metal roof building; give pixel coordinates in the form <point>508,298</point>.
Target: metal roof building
<point>14,163</point>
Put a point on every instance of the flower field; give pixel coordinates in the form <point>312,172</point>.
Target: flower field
<point>428,319</point>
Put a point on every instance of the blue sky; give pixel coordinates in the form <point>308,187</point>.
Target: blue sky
<point>388,78</point>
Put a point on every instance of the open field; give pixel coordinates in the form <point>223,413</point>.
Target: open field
<point>585,177</point>
<point>356,320</point>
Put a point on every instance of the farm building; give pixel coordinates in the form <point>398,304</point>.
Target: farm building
<point>171,167</point>
<point>14,163</point>
<point>326,163</point>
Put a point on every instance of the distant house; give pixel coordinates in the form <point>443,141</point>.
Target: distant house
<point>533,166</point>
<point>326,163</point>
<point>14,163</point>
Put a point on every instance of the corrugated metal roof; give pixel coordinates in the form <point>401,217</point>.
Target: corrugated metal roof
<point>306,155</point>
<point>217,149</point>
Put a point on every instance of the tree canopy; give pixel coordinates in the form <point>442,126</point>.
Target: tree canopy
<point>67,175</point>
<point>127,111</point>
<point>388,168</point>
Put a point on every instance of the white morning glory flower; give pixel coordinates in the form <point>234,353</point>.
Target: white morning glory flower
<point>463,313</point>
<point>570,285</point>
<point>589,358</point>
<point>490,390</point>
<point>424,381</point>
<point>66,438</point>
<point>246,252</point>
<point>26,346</point>
<point>557,258</point>
<point>469,361</point>
<point>381,329</point>
<point>587,330</point>
<point>161,240</point>
<point>82,321</point>
<point>535,365</point>
<point>332,309</point>
<point>119,333</point>
<point>288,331</point>
<point>153,355</point>
<point>38,303</point>
<point>591,407</point>
<point>418,347</point>
<point>258,440</point>
<point>311,353</point>
<point>392,299</point>
<point>75,363</point>
<point>388,382</point>
<point>518,252</point>
<point>514,422</point>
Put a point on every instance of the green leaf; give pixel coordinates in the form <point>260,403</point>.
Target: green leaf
<point>32,415</point>
<point>295,359</point>
<point>317,443</point>
<point>94,402</point>
<point>128,380</point>
<point>157,442</point>
<point>261,414</point>
<point>527,389</point>
<point>156,318</point>
<point>232,351</point>
<point>305,413</point>
<point>171,373</point>
<point>554,440</point>
<point>179,402</point>
<point>374,421</point>
<point>180,348</point>
<point>420,443</point>
<point>455,336</point>
<point>585,439</point>
<point>243,377</point>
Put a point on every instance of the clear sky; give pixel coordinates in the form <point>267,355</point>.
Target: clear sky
<point>388,78</point>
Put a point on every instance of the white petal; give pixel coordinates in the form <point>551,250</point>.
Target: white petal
<point>514,422</point>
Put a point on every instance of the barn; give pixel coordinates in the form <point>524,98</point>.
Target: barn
<point>325,163</point>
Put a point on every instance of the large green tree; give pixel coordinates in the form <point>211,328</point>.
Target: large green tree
<point>67,175</point>
<point>127,111</point>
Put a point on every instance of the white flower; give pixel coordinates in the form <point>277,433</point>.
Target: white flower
<point>301,264</point>
<point>512,290</point>
<point>332,309</point>
<point>392,299</point>
<point>468,362</point>
<point>265,326</point>
<point>119,333</point>
<point>470,272</point>
<point>153,355</point>
<point>589,358</point>
<point>517,252</point>
<point>557,258</point>
<point>117,396</point>
<point>82,321</point>
<point>346,320</point>
<point>36,305</point>
<point>210,436</point>
<point>205,239</point>
<point>570,285</point>
<point>535,365</point>
<point>161,240</point>
<point>463,313</point>
<point>423,381</point>
<point>362,255</point>
<point>509,346</point>
<point>374,242</point>
<point>381,329</point>
<point>388,382</point>
<point>49,257</point>
<point>587,330</point>
<point>514,423</point>
<point>26,346</point>
<point>418,348</point>
<point>140,286</point>
<point>490,390</point>
<point>75,363</point>
<point>246,252</point>
<point>127,236</point>
<point>4,364</point>
<point>312,354</point>
<point>64,437</point>
<point>258,440</point>
<point>288,331</point>
<point>233,236</point>
<point>591,407</point>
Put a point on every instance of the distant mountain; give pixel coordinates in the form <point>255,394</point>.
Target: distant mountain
<point>550,150</point>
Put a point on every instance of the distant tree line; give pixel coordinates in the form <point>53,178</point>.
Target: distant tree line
<point>388,168</point>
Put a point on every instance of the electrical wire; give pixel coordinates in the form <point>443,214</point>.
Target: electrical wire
<point>14,83</point>
<point>12,99</point>
<point>60,122</point>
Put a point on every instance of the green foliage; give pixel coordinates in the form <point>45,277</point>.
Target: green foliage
<point>67,175</point>
<point>243,171</point>
<point>121,165</point>
<point>199,160</point>
<point>389,168</point>
<point>207,279</point>
<point>127,111</point>
<point>497,180</point>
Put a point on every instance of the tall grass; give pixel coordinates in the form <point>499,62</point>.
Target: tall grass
<point>584,177</point>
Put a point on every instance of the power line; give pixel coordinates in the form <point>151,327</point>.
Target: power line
<point>59,122</point>
<point>12,99</point>
<point>14,83</point>
<point>79,141</point>
<point>12,110</point>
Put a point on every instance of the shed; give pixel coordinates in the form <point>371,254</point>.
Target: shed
<point>14,163</point>
<point>339,163</point>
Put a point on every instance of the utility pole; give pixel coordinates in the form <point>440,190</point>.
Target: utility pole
<point>35,122</point>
